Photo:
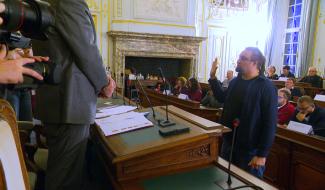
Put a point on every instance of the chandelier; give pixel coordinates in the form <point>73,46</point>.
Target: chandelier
<point>216,5</point>
<point>236,5</point>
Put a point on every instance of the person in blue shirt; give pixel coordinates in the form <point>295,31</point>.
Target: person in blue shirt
<point>252,99</point>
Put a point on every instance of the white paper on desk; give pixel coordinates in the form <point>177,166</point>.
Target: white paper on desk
<point>300,127</point>
<point>320,98</point>
<point>123,123</point>
<point>282,79</point>
<point>183,96</point>
<point>113,110</point>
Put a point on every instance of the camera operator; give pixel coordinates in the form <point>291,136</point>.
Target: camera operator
<point>20,98</point>
<point>11,71</point>
<point>68,109</point>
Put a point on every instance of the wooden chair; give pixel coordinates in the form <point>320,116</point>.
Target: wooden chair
<point>13,173</point>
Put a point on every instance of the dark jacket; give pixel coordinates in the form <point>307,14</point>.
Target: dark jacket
<point>316,120</point>
<point>273,77</point>
<point>259,114</point>
<point>295,92</point>
<point>290,75</point>
<point>315,81</point>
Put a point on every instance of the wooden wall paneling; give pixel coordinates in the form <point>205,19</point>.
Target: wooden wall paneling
<point>307,169</point>
<point>278,164</point>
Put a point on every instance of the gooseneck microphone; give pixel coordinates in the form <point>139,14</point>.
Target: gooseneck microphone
<point>123,88</point>
<point>147,98</point>
<point>235,124</point>
<point>227,185</point>
<point>166,122</point>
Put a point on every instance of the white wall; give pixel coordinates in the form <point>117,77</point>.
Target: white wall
<point>101,15</point>
<point>319,54</point>
<point>174,17</point>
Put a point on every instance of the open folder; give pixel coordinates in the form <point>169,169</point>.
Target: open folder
<point>122,123</point>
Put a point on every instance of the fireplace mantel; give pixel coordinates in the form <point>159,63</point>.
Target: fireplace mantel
<point>153,45</point>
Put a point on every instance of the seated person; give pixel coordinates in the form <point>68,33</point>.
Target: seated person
<point>158,87</point>
<point>285,109</point>
<point>194,92</point>
<point>286,72</point>
<point>180,87</point>
<point>210,101</point>
<point>312,78</point>
<point>229,77</point>
<point>308,113</point>
<point>290,85</point>
<point>271,73</point>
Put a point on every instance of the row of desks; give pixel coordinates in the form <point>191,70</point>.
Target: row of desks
<point>159,99</point>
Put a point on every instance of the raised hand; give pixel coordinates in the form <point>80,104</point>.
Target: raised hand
<point>214,68</point>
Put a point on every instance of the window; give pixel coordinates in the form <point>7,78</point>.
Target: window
<point>292,36</point>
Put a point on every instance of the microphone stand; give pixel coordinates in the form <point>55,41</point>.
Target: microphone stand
<point>227,185</point>
<point>165,123</point>
<point>116,96</point>
<point>147,98</point>
<point>123,88</point>
<point>136,101</point>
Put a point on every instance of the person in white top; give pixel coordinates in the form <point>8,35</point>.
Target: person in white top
<point>229,77</point>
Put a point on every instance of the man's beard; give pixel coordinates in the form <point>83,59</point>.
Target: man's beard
<point>239,69</point>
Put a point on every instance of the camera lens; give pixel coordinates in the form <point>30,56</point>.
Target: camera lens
<point>29,16</point>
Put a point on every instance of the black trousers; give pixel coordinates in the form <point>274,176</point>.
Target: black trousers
<point>66,167</point>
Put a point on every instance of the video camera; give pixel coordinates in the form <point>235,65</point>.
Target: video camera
<point>31,18</point>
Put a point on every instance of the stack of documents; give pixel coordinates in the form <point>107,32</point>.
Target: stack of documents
<point>113,110</point>
<point>124,122</point>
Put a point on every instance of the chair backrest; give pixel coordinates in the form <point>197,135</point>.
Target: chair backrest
<point>13,173</point>
<point>3,184</point>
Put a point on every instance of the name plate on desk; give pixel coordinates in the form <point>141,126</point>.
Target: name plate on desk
<point>320,98</point>
<point>300,127</point>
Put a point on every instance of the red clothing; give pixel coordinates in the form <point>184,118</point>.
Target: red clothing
<point>285,113</point>
<point>195,96</point>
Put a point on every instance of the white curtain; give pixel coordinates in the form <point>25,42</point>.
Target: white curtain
<point>277,19</point>
<point>306,45</point>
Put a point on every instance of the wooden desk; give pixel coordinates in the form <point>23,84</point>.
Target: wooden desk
<point>320,103</point>
<point>145,83</point>
<point>144,160</point>
<point>296,161</point>
<point>309,90</point>
<point>144,153</point>
<point>158,99</point>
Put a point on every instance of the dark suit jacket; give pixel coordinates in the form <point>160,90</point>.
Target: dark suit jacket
<point>290,75</point>
<point>315,81</point>
<point>316,120</point>
<point>72,43</point>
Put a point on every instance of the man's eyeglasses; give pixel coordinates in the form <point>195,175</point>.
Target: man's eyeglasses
<point>243,58</point>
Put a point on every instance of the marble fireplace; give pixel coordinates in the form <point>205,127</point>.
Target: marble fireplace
<point>130,46</point>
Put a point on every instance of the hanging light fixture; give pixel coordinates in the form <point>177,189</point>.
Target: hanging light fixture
<point>216,5</point>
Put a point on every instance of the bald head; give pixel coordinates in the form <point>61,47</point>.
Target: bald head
<point>230,74</point>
